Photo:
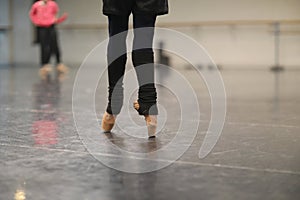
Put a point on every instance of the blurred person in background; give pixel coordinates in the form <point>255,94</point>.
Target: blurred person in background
<point>44,15</point>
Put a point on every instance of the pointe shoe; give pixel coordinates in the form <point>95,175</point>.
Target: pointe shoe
<point>151,121</point>
<point>136,105</point>
<point>62,70</point>
<point>108,122</point>
<point>45,71</point>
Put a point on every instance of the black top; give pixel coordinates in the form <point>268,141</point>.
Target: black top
<point>125,7</point>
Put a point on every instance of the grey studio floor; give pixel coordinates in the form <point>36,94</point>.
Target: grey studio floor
<point>257,155</point>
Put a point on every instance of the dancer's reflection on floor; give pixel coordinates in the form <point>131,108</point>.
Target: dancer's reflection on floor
<point>47,97</point>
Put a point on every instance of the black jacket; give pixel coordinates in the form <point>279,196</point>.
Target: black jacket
<point>125,7</point>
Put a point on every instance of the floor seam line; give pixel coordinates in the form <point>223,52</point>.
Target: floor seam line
<point>161,160</point>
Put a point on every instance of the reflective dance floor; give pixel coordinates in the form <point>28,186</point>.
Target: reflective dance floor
<point>43,155</point>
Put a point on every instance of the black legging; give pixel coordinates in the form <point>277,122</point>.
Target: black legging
<point>140,56</point>
<point>49,44</point>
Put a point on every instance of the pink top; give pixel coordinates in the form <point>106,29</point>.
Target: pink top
<point>44,14</point>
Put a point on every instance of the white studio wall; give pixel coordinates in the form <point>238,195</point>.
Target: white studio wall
<point>214,10</point>
<point>241,46</point>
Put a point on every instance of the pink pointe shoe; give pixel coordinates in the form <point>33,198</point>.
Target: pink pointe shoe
<point>108,122</point>
<point>45,71</point>
<point>151,121</point>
